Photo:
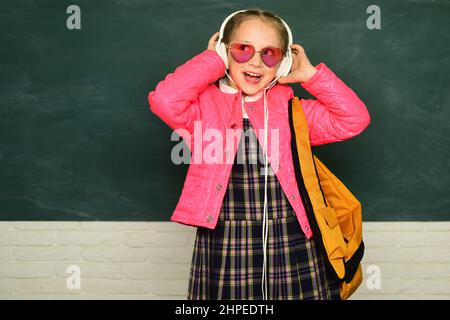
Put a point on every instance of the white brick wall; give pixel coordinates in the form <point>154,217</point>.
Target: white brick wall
<point>151,260</point>
<point>414,259</point>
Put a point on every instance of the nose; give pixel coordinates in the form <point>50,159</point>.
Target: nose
<point>255,60</point>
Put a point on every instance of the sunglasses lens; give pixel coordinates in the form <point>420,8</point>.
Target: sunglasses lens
<point>271,56</point>
<point>242,52</point>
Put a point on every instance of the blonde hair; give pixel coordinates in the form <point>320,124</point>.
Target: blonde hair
<point>236,20</point>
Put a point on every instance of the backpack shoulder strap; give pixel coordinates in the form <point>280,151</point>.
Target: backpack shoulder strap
<point>305,156</point>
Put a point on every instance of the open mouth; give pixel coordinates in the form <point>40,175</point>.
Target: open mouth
<point>252,78</point>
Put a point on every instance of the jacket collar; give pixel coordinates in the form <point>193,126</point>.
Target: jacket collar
<point>225,87</point>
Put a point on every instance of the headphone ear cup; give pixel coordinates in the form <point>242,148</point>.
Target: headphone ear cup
<point>281,69</point>
<point>222,51</point>
<point>285,67</point>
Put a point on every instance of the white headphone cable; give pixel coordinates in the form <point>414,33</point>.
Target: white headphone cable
<point>266,164</point>
<point>265,227</point>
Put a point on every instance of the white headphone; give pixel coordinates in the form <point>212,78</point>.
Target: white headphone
<point>286,63</point>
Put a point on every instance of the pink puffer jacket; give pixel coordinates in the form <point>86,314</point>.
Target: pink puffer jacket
<point>189,102</point>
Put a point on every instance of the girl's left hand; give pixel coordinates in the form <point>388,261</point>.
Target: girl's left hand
<point>301,69</point>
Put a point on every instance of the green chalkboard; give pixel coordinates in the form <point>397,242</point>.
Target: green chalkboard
<point>79,142</point>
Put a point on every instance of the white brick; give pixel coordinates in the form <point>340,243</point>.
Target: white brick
<point>437,254</point>
<point>357,296</point>
<point>156,271</point>
<point>6,254</point>
<point>158,239</point>
<point>393,286</point>
<point>392,226</point>
<point>174,255</point>
<point>26,297</point>
<point>6,286</point>
<point>26,270</point>
<point>78,296</point>
<point>108,254</point>
<point>362,296</point>
<point>401,286</point>
<point>162,226</point>
<point>434,296</point>
<point>26,238</point>
<point>88,238</point>
<point>437,226</point>
<point>393,254</point>
<point>407,238</point>
<point>169,287</point>
<point>115,286</point>
<point>432,286</point>
<point>191,239</point>
<point>423,270</point>
<point>410,239</point>
<point>384,239</point>
<point>425,239</point>
<point>113,225</point>
<point>5,225</point>
<point>45,225</point>
<point>90,270</point>
<point>52,285</point>
<point>93,296</point>
<point>180,297</point>
<point>438,239</point>
<point>54,253</point>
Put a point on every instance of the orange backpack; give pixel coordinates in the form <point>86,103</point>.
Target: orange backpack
<point>334,214</point>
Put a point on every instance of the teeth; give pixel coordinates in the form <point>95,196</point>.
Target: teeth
<point>253,74</point>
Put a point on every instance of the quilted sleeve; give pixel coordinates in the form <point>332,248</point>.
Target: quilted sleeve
<point>337,114</point>
<point>175,99</point>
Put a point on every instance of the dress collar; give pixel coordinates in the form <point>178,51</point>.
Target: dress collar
<point>225,87</point>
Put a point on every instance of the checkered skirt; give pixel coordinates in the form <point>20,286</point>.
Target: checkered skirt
<point>227,262</point>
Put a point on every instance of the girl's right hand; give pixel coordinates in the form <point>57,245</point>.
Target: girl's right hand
<point>212,41</point>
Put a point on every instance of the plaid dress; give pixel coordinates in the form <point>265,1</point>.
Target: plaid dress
<point>227,262</point>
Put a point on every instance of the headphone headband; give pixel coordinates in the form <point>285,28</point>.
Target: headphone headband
<point>222,27</point>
